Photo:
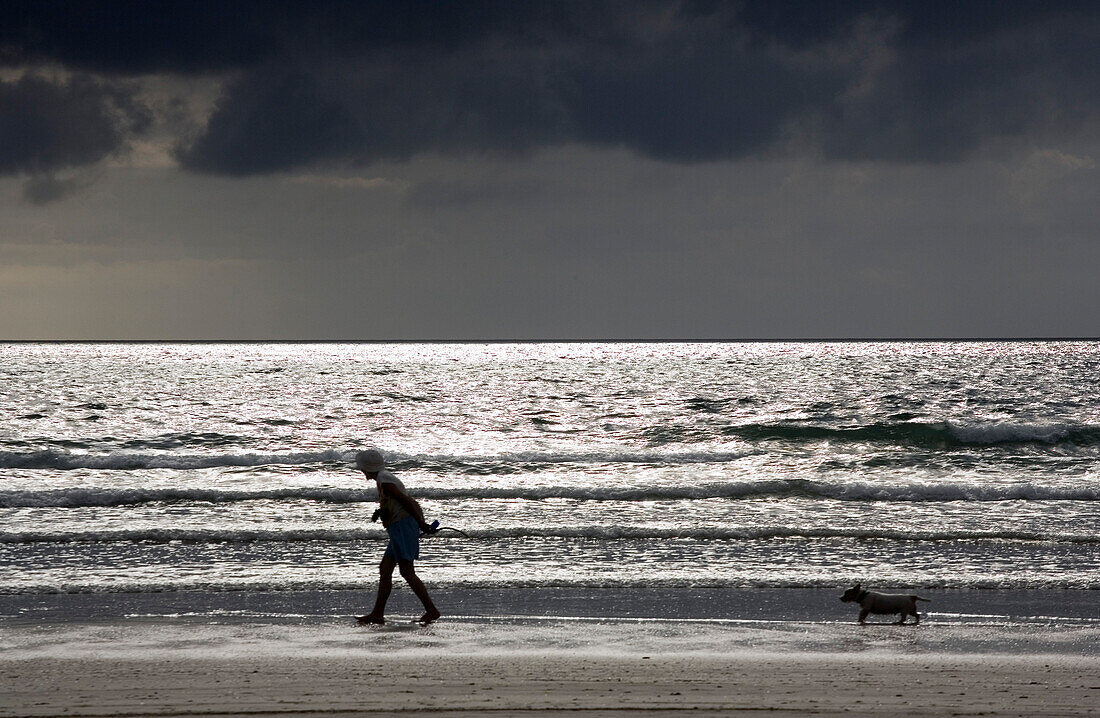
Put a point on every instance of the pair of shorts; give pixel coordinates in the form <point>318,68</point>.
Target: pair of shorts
<point>404,542</point>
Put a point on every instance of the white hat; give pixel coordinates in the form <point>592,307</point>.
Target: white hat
<point>370,460</point>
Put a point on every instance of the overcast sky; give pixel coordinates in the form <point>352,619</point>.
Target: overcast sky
<point>192,169</point>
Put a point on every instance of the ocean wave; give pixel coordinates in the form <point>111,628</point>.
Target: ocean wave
<point>126,461</point>
<point>473,464</point>
<point>1035,432</point>
<point>927,434</point>
<point>77,498</point>
<point>779,488</point>
<point>188,585</point>
<point>604,533</point>
<point>173,535</point>
<point>185,439</point>
<point>68,455</point>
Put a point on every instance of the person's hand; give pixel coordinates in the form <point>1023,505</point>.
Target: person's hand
<point>375,515</point>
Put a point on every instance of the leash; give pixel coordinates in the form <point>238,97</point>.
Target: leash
<point>431,530</point>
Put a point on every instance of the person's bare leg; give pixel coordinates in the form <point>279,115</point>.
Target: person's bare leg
<point>385,585</point>
<point>409,574</point>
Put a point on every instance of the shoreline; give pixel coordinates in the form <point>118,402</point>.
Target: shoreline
<point>959,605</point>
<point>546,621</point>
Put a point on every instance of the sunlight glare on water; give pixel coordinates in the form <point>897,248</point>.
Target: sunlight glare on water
<point>165,466</point>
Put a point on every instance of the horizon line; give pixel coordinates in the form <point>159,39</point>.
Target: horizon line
<point>773,340</point>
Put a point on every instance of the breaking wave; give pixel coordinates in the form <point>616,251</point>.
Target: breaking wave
<point>171,535</point>
<point>480,465</point>
<point>921,435</point>
<point>76,498</point>
<point>52,459</point>
<point>927,434</point>
<point>839,491</point>
<point>329,583</point>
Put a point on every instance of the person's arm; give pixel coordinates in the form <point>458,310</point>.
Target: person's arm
<point>410,504</point>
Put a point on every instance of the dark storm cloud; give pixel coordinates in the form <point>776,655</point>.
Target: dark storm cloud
<point>390,108</point>
<point>189,36</point>
<point>47,126</point>
<point>667,86</point>
<point>1042,81</point>
<point>136,37</point>
<point>199,36</point>
<point>682,82</point>
<point>925,22</point>
<point>701,95</point>
<point>337,82</point>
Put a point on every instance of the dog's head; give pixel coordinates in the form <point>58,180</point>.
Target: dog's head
<point>852,594</point>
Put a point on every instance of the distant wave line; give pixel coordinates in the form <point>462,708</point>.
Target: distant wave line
<point>607,533</point>
<point>945,433</point>
<point>694,582</point>
<point>781,488</point>
<point>52,459</point>
<point>920,434</point>
<point>500,463</point>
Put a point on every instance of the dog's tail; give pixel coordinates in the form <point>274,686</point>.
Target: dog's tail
<point>918,598</point>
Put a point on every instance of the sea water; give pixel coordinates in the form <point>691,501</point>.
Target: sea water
<point>594,481</point>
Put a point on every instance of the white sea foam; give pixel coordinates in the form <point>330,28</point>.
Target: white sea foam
<point>912,433</point>
<point>53,459</point>
<point>609,533</point>
<point>321,582</point>
<point>915,491</point>
<point>505,462</point>
<point>917,434</point>
<point>73,498</point>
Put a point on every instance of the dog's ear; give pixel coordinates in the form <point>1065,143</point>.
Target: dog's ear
<point>856,586</point>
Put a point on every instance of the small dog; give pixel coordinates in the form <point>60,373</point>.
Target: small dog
<point>878,603</point>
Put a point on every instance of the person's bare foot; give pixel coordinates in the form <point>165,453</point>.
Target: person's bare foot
<point>370,620</point>
<point>429,617</point>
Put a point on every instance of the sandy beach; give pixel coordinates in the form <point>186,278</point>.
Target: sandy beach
<point>262,654</point>
<point>823,685</point>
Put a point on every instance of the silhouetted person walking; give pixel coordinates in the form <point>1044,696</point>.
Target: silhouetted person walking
<point>403,519</point>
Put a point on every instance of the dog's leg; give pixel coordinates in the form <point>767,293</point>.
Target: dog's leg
<point>863,615</point>
<point>901,618</point>
<point>916,617</point>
